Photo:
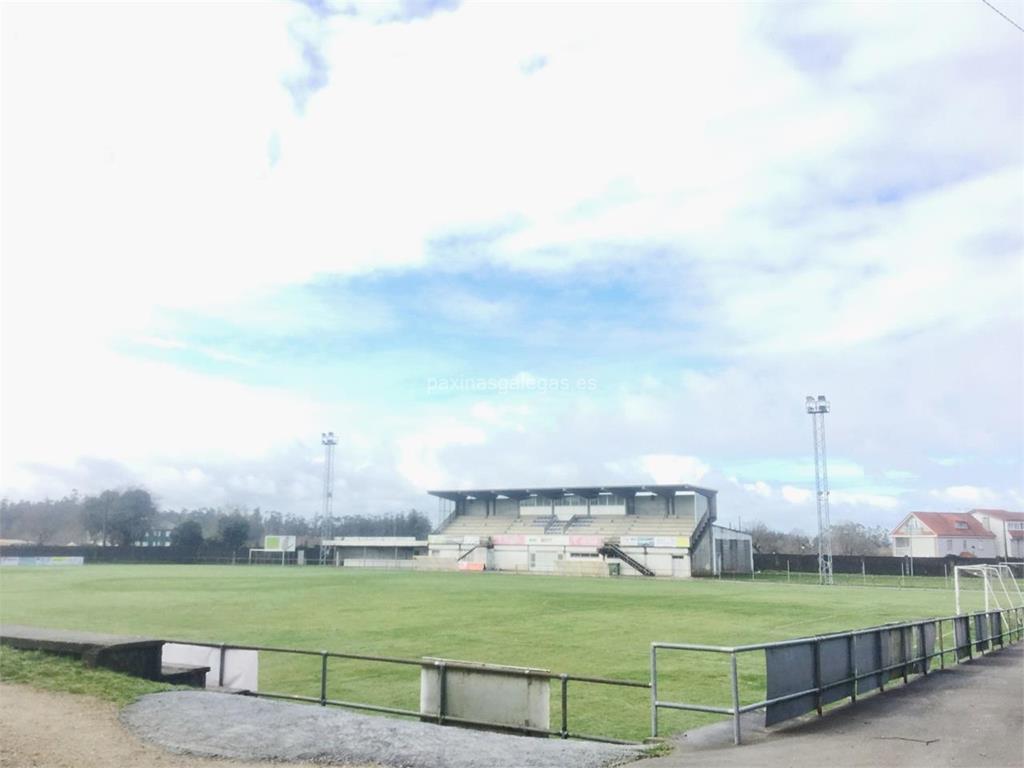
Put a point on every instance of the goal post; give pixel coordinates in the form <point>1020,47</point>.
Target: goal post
<point>999,585</point>
<point>277,549</point>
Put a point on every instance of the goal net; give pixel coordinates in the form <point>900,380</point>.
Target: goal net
<point>272,557</point>
<point>987,587</point>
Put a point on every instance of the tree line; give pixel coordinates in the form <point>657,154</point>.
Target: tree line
<point>124,517</point>
<point>848,538</point>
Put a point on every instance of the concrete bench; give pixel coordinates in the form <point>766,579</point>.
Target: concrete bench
<point>136,656</point>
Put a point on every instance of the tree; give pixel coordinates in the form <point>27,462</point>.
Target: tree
<point>133,515</point>
<point>96,513</point>
<point>233,530</point>
<point>188,533</point>
<point>120,517</point>
<point>849,538</point>
<point>42,522</point>
<point>768,541</point>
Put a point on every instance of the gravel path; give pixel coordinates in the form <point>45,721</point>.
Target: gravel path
<point>223,725</point>
<point>45,729</point>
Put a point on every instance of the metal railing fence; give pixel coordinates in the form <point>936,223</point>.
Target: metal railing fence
<point>1011,625</point>
<point>562,679</point>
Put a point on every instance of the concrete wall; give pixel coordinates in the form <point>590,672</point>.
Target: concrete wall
<point>506,507</point>
<point>380,553</point>
<point>651,505</point>
<point>476,507</point>
<point>700,506</point>
<point>487,694</point>
<point>681,567</point>
<point>510,559</point>
<point>556,553</point>
<point>594,566</point>
<point>359,562</point>
<point>687,504</point>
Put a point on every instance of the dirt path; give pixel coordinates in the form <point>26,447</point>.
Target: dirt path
<point>40,729</point>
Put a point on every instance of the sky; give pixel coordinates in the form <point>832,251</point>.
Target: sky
<point>514,245</point>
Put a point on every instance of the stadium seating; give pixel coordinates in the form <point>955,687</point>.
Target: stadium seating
<point>474,525</point>
<point>580,525</point>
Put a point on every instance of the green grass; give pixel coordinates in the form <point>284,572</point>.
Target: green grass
<point>59,673</point>
<point>598,627</point>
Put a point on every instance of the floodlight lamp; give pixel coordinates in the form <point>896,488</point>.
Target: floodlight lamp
<point>810,404</point>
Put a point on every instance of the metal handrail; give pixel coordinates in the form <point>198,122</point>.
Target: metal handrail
<point>1010,630</point>
<point>441,717</point>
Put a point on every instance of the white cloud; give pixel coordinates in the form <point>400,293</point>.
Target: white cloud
<point>759,488</point>
<point>967,494</point>
<point>796,495</point>
<point>879,501</point>
<point>419,454</point>
<point>671,468</point>
<point>849,225</point>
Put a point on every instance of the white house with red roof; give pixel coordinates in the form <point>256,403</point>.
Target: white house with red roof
<point>1008,528</point>
<point>937,534</point>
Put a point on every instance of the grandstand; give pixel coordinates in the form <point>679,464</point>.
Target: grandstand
<point>648,530</point>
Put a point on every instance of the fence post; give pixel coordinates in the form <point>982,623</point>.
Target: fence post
<point>442,693</point>
<point>924,652</point>
<point>787,571</point>
<point>905,636</point>
<point>853,667</point>
<point>956,588</point>
<point>735,701</point>
<point>323,678</point>
<point>220,670</point>
<point>565,705</point>
<point>654,691</point>
<point>817,675</point>
<point>942,649</point>
<point>882,673</point>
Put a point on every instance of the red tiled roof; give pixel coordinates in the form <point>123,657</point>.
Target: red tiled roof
<point>945,524</point>
<point>1000,514</point>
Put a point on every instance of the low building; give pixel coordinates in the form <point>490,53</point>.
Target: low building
<point>938,534</point>
<point>374,551</point>
<point>158,537</point>
<point>1007,527</point>
<point>649,530</point>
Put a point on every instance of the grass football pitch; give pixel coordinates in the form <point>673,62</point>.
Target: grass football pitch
<point>595,627</point>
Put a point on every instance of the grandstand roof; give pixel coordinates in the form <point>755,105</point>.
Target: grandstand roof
<point>587,491</point>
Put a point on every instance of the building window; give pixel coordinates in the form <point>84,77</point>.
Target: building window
<point>901,541</point>
<point>949,545</point>
<point>571,501</point>
<point>608,500</point>
<point>961,525</point>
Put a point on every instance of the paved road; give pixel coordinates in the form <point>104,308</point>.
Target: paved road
<point>970,715</point>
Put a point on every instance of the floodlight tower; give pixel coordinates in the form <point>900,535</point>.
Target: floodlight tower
<point>328,440</point>
<point>817,408</point>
